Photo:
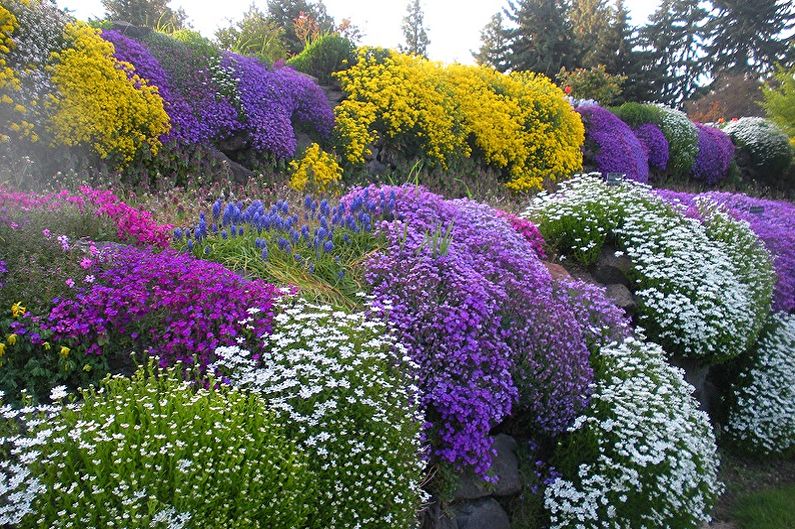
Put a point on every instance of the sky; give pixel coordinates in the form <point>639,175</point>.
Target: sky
<point>453,26</point>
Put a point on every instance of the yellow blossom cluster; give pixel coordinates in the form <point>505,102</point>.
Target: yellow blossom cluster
<point>316,170</point>
<point>519,122</point>
<point>100,101</point>
<point>9,83</point>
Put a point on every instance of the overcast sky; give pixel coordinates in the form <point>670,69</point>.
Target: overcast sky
<point>453,26</point>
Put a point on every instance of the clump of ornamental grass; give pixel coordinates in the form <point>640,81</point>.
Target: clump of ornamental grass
<point>762,414</point>
<point>318,247</point>
<point>699,286</point>
<point>344,387</point>
<point>643,455</point>
<point>154,452</point>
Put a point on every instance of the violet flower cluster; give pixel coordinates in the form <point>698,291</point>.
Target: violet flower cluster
<point>169,304</point>
<point>272,99</point>
<point>185,128</point>
<point>773,221</point>
<point>476,309</point>
<point>611,145</point>
<point>654,144</point>
<point>715,154</point>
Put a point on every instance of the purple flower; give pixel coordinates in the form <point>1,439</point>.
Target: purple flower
<point>611,145</point>
<point>715,154</point>
<point>655,145</point>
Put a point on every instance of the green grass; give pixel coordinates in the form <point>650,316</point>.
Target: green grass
<point>770,509</point>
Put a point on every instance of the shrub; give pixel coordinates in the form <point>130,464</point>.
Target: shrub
<point>185,128</point>
<point>457,280</point>
<point>762,416</point>
<point>695,294</point>
<point>169,304</point>
<point>317,170</point>
<point>342,385</point>
<point>680,133</point>
<point>779,102</point>
<point>774,225</point>
<point>761,146</point>
<point>324,56</point>
<point>611,145</point>
<point>156,452</point>
<point>519,123</point>
<point>715,154</point>
<point>654,144</point>
<point>100,103</point>
<point>642,455</point>
<point>592,83</point>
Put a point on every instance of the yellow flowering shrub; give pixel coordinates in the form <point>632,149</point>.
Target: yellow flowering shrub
<point>100,101</point>
<point>519,122</point>
<point>9,83</point>
<point>316,170</point>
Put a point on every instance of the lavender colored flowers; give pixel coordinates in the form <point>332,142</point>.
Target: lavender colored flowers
<point>654,143</point>
<point>612,146</point>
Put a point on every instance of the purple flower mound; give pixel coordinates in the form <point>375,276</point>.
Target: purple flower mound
<point>476,309</point>
<point>169,303</point>
<point>272,99</point>
<point>611,145</point>
<point>715,153</point>
<point>654,143</point>
<point>185,128</point>
<point>775,227</point>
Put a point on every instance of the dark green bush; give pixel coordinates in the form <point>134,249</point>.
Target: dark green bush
<point>326,55</point>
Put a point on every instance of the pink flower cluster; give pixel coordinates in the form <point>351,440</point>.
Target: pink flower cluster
<point>132,224</point>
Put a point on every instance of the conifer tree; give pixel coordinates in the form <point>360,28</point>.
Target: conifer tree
<point>494,45</point>
<point>415,34</point>
<point>591,25</point>
<point>541,36</point>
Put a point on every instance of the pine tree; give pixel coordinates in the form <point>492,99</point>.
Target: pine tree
<point>747,35</point>
<point>541,39</point>
<point>494,45</point>
<point>145,13</point>
<point>415,34</point>
<point>590,24</point>
<point>674,39</point>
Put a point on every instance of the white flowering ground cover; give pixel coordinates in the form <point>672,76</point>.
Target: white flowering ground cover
<point>762,417</point>
<point>643,456</point>
<point>702,289</point>
<point>340,381</point>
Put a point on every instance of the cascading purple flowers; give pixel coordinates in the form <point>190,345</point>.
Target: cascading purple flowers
<point>185,128</point>
<point>773,221</point>
<point>611,145</point>
<point>477,311</point>
<point>715,153</point>
<point>169,303</point>
<point>654,143</point>
<point>272,99</point>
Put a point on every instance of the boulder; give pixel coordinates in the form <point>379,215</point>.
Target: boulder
<point>237,172</point>
<point>620,295</point>
<point>485,513</point>
<point>556,271</point>
<point>434,517</point>
<point>505,468</point>
<point>234,143</point>
<point>612,268</point>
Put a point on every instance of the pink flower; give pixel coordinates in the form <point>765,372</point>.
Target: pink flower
<point>70,282</point>
<point>46,233</point>
<point>86,263</point>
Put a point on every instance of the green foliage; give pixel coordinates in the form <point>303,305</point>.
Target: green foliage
<point>324,56</point>
<point>147,13</point>
<point>541,37</point>
<point>415,34</point>
<point>768,509</point>
<point>156,452</point>
<point>283,13</point>
<point>255,34</point>
<point>592,83</point>
<point>195,40</point>
<point>780,101</point>
<point>494,45</point>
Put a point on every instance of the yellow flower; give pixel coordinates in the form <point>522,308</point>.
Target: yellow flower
<point>2,349</point>
<point>316,169</point>
<point>46,346</point>
<point>64,351</point>
<point>17,310</point>
<point>86,368</point>
<point>11,339</point>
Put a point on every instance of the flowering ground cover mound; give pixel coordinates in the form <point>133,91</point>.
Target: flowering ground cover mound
<point>642,455</point>
<point>699,286</point>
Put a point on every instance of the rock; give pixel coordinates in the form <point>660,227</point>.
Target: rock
<point>611,268</point>
<point>236,171</point>
<point>696,375</point>
<point>374,167</point>
<point>234,143</point>
<point>505,468</point>
<point>620,295</point>
<point>556,271</point>
<point>303,140</point>
<point>125,28</point>
<point>481,514</point>
<point>435,518</point>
